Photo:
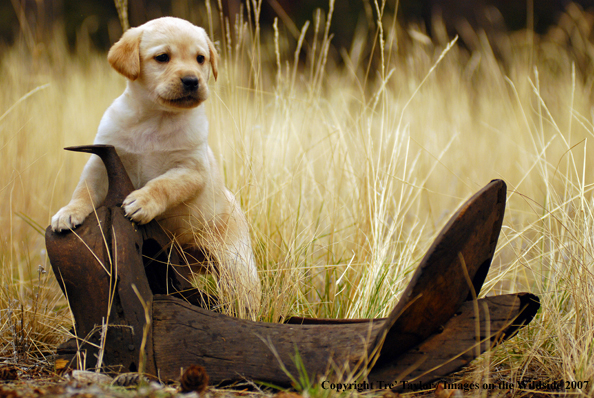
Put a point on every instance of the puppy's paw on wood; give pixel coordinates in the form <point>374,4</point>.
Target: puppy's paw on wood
<point>140,206</point>
<point>68,217</point>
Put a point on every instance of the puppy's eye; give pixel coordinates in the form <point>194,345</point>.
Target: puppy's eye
<point>200,59</point>
<point>162,58</point>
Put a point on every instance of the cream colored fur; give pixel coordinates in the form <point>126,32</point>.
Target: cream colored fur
<point>159,128</point>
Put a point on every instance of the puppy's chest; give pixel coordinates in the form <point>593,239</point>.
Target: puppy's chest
<point>144,167</point>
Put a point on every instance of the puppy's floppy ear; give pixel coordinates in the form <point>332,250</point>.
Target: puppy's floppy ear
<point>214,58</point>
<point>124,55</point>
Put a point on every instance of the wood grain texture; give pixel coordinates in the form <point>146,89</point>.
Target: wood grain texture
<point>130,274</point>
<point>233,349</point>
<point>456,345</point>
<point>98,265</point>
<point>78,261</point>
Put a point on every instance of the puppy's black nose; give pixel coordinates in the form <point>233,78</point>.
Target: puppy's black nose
<point>190,83</point>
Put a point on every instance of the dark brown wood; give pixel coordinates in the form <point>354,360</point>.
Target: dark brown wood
<point>119,183</point>
<point>297,320</point>
<point>232,349</point>
<point>439,285</point>
<point>456,345</point>
<point>98,270</point>
<point>77,269</point>
<point>98,265</point>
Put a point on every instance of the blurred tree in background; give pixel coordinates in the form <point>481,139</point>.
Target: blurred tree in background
<point>34,20</point>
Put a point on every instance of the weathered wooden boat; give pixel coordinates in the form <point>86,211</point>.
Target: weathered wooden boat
<point>135,313</point>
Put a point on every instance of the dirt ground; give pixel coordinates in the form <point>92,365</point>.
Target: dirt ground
<point>70,388</point>
<point>41,381</point>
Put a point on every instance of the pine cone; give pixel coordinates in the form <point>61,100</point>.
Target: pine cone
<point>8,373</point>
<point>194,379</point>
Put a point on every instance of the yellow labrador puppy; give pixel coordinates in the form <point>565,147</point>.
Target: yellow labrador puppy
<point>159,128</point>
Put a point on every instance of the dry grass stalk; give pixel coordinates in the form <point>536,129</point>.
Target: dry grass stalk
<point>345,175</point>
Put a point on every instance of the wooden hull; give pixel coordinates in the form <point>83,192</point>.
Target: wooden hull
<point>235,350</point>
<point>114,274</point>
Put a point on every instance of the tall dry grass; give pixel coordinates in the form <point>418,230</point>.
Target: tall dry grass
<point>346,172</point>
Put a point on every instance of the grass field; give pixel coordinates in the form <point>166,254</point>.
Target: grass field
<point>346,171</point>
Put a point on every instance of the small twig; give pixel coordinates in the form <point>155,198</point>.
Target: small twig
<point>101,345</point>
<point>145,331</point>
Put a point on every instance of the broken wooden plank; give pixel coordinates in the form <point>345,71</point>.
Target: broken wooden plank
<point>232,349</point>
<point>113,269</point>
<point>456,345</point>
<point>441,283</point>
<point>100,269</point>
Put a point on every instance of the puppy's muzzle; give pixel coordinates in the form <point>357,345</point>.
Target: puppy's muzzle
<point>187,92</point>
<point>190,83</point>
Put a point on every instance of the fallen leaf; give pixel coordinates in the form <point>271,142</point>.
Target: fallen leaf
<point>85,376</point>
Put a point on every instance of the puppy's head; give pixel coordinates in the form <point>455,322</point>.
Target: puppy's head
<point>170,57</point>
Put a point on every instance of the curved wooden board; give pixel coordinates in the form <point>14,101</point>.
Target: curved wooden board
<point>456,345</point>
<point>78,260</point>
<point>119,182</point>
<point>89,262</point>
<point>232,349</point>
<point>439,285</point>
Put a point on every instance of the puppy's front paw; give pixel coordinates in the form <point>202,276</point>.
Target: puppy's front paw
<point>141,207</point>
<point>68,217</point>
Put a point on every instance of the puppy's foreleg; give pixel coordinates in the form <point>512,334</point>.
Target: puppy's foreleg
<point>90,192</point>
<point>238,281</point>
<point>161,193</point>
